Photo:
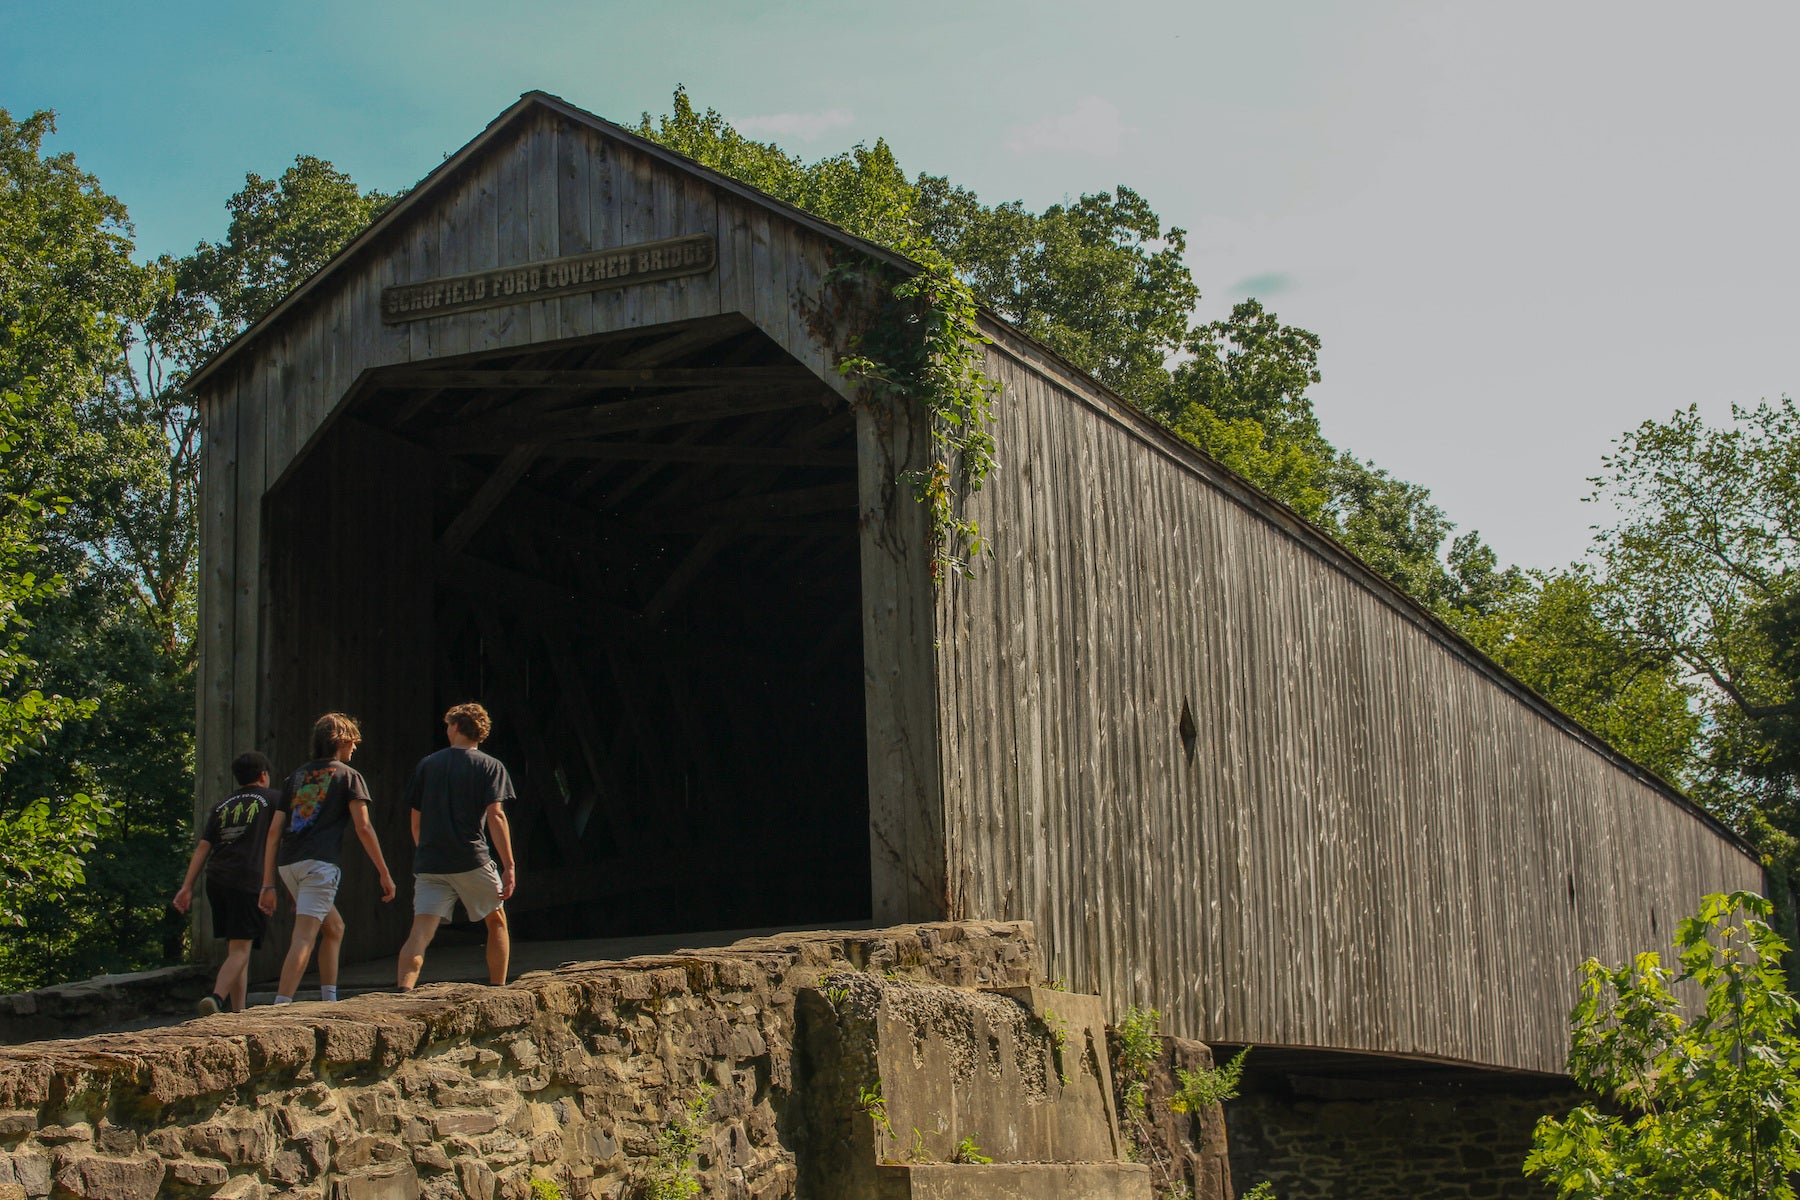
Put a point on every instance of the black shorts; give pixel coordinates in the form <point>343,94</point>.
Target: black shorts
<point>236,917</point>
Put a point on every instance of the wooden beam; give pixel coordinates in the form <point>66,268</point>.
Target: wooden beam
<point>687,341</point>
<point>584,723</point>
<point>620,491</point>
<point>668,452</point>
<point>622,416</point>
<point>487,498</point>
<point>583,379</point>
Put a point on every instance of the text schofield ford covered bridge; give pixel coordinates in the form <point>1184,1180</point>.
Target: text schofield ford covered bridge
<point>495,451</point>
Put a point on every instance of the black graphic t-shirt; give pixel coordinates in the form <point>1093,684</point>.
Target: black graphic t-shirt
<point>317,799</point>
<point>238,829</point>
<point>452,790</point>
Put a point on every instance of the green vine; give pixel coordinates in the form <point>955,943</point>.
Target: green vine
<point>924,347</point>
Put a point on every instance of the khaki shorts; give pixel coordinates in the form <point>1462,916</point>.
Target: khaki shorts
<point>435,895</point>
<point>313,885</point>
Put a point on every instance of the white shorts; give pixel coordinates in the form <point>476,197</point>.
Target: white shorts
<point>313,885</point>
<point>435,895</point>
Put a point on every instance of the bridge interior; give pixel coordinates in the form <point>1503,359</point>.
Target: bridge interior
<point>641,553</point>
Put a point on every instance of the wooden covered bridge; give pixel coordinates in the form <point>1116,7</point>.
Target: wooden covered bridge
<point>562,431</point>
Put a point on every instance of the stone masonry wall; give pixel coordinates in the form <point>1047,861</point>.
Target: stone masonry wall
<point>105,1002</point>
<point>569,1078</point>
<point>1442,1142</point>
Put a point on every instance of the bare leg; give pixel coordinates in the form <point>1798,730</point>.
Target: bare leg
<point>499,946</point>
<point>234,973</point>
<point>306,932</point>
<point>412,954</point>
<point>331,940</point>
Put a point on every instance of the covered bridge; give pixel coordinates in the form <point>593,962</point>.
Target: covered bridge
<point>561,431</point>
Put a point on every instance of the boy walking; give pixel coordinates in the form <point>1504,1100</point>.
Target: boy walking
<point>306,834</point>
<point>231,850</point>
<point>456,796</point>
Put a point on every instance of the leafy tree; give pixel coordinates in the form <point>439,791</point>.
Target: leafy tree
<point>1100,281</point>
<point>1702,568</point>
<point>1703,1105</point>
<point>1551,633</point>
<point>67,283</point>
<point>863,190</point>
<point>113,429</point>
<point>42,843</point>
<point>1241,397</point>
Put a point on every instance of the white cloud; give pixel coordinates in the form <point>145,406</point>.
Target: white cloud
<point>806,125</point>
<point>1092,128</point>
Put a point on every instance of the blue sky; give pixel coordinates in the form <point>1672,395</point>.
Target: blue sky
<point>1520,229</point>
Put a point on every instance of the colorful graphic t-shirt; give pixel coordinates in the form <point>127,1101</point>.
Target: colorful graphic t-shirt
<point>238,829</point>
<point>317,799</point>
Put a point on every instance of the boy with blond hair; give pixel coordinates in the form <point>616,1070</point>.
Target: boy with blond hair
<point>306,835</point>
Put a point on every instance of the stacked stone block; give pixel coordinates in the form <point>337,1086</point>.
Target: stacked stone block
<point>566,1081</point>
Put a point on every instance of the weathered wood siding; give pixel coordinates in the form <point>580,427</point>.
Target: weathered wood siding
<point>1375,844</point>
<point>540,185</point>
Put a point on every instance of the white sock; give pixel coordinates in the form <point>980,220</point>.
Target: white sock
<point>328,991</point>
<point>284,999</point>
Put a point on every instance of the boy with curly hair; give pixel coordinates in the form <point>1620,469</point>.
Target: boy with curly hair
<point>456,796</point>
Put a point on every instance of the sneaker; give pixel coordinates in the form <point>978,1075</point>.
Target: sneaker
<point>212,1004</point>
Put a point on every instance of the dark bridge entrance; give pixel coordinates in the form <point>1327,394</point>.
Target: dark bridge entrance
<point>641,553</point>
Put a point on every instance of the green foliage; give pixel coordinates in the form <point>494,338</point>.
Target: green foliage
<point>1099,280</point>
<point>671,1173</point>
<point>546,1189</point>
<point>924,346</point>
<point>1262,1191</point>
<point>1703,1104</point>
<point>98,347</point>
<point>1209,1085</point>
<point>43,844</point>
<point>1241,397</point>
<point>1139,1043</point>
<point>1552,633</point>
<point>1702,571</point>
<point>68,287</point>
<point>1137,1047</point>
<point>862,190</point>
<point>969,1151</point>
<point>281,231</point>
<point>870,1101</point>
<point>925,349</point>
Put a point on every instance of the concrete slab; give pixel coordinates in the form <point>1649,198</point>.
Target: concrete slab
<point>1014,1181</point>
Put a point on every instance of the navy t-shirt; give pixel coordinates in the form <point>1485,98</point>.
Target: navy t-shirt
<point>452,790</point>
<point>317,799</point>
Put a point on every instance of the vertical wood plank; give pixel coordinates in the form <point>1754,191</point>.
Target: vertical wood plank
<point>246,527</point>
<point>541,219</point>
<point>574,217</point>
